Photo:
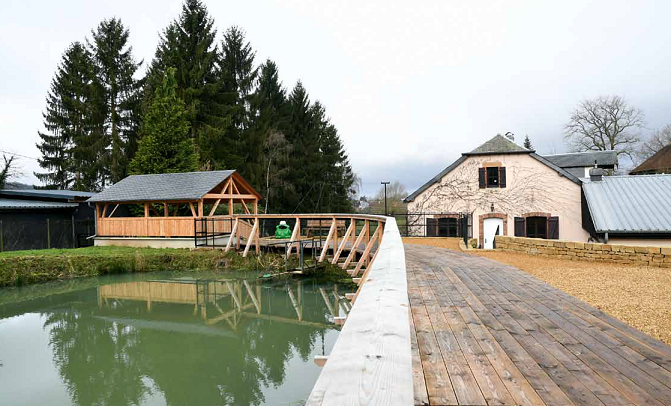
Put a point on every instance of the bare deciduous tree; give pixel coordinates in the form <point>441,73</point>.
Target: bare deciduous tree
<point>395,194</point>
<point>603,124</point>
<point>659,139</point>
<point>7,171</point>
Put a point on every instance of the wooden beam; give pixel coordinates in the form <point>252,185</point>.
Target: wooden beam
<point>258,238</point>
<point>233,234</point>
<point>252,234</point>
<point>295,234</point>
<point>244,206</point>
<point>366,251</point>
<point>200,208</point>
<point>328,240</point>
<point>339,320</point>
<point>352,252</point>
<point>146,210</point>
<point>351,227</point>
<point>214,208</point>
<point>256,206</point>
<point>228,196</point>
<point>104,210</point>
<point>193,211</point>
<point>166,212</point>
<point>113,210</point>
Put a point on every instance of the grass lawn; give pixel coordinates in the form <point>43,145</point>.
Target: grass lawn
<point>97,251</point>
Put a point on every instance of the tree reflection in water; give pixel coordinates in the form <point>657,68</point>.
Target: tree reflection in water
<point>200,342</point>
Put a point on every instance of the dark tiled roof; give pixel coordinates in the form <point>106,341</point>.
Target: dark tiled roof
<point>15,204</point>
<point>630,204</point>
<point>47,194</point>
<point>584,159</point>
<point>163,187</point>
<point>498,145</point>
<point>660,162</point>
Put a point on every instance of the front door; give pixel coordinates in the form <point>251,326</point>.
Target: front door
<point>491,228</point>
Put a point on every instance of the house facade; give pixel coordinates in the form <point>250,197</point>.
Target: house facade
<point>504,189</point>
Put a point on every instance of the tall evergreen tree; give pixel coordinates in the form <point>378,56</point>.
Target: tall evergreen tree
<point>336,172</point>
<point>243,146</point>
<point>303,137</point>
<point>165,145</point>
<point>187,45</point>
<point>116,68</point>
<point>73,117</point>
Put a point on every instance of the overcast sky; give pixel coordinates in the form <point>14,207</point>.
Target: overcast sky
<point>409,85</point>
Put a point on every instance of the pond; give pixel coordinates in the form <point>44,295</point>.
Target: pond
<point>166,339</point>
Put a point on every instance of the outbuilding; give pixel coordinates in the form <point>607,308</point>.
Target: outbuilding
<point>163,210</point>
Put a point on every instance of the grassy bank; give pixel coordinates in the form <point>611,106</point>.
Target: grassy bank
<point>27,267</point>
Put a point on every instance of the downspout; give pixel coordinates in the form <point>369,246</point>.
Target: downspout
<point>606,238</point>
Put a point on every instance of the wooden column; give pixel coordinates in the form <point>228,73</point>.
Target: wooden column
<point>165,210</point>
<point>200,208</point>
<point>146,209</point>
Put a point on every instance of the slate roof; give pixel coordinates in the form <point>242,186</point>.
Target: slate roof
<point>630,204</point>
<point>498,145</point>
<point>660,162</point>
<point>584,159</point>
<point>16,204</point>
<point>162,187</point>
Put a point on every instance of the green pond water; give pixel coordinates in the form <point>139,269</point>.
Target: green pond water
<point>165,339</point>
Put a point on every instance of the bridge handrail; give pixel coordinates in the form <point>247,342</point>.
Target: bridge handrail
<point>371,362</point>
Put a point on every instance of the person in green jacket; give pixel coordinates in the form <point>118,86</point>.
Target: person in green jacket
<point>282,230</point>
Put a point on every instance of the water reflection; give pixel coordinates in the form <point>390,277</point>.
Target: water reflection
<point>188,341</point>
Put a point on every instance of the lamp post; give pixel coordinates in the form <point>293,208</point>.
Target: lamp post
<point>385,196</point>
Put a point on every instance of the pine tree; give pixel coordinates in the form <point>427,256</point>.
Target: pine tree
<point>187,45</point>
<point>527,143</point>
<point>165,145</point>
<point>116,68</point>
<point>242,146</point>
<point>335,171</point>
<point>73,118</point>
<point>303,137</point>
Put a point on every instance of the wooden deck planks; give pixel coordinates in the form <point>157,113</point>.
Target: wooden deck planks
<point>488,333</point>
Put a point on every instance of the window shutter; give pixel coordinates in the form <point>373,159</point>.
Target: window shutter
<point>431,227</point>
<point>553,228</point>
<point>502,176</point>
<point>482,177</point>
<point>519,227</point>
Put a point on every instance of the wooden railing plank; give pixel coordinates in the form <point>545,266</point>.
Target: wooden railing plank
<point>371,362</point>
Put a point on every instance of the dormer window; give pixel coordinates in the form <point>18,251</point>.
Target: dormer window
<point>492,177</point>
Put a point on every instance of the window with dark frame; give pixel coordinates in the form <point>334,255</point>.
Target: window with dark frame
<point>492,177</point>
<point>537,227</point>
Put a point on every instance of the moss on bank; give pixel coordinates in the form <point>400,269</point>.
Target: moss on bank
<point>28,267</point>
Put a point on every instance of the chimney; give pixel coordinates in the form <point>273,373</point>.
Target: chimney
<point>596,174</point>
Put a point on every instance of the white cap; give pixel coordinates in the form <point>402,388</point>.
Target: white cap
<point>283,223</point>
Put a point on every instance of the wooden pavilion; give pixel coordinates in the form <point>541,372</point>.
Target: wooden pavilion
<point>171,202</point>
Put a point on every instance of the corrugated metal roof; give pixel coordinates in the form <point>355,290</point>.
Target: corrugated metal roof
<point>630,204</point>
<point>162,187</point>
<point>14,204</point>
<point>583,159</point>
<point>50,194</point>
<point>498,145</point>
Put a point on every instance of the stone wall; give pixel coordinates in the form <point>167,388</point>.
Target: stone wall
<point>621,254</point>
